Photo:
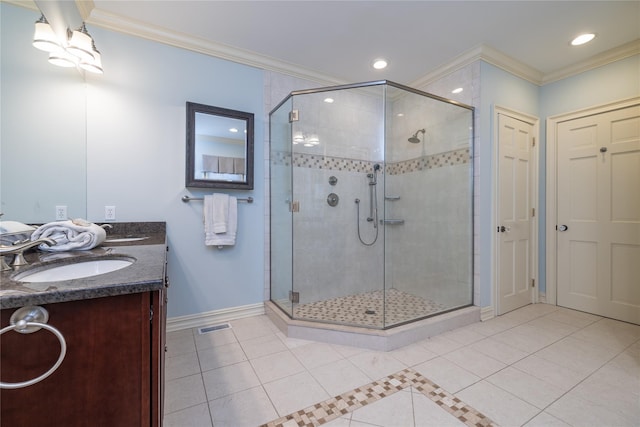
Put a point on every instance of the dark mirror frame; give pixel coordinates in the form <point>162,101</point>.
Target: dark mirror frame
<point>191,181</point>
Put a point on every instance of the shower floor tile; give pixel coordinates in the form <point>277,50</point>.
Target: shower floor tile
<point>368,309</point>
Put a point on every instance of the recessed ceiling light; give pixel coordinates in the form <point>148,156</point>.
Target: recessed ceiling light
<point>234,130</point>
<point>380,63</point>
<point>457,90</point>
<point>328,100</point>
<point>400,114</point>
<point>582,39</point>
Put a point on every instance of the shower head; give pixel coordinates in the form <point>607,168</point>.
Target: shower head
<point>414,139</point>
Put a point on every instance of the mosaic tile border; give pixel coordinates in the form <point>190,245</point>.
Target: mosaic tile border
<point>320,161</point>
<point>337,406</point>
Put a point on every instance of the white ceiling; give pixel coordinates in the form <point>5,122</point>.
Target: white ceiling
<point>339,39</point>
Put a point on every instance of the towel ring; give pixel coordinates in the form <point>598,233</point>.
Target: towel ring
<point>21,325</point>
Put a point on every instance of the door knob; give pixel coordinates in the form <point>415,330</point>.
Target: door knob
<point>563,227</point>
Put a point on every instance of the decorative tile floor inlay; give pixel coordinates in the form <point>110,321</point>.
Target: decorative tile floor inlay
<point>368,309</point>
<point>337,406</point>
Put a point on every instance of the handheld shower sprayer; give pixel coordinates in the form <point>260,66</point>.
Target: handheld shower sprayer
<point>373,204</point>
<point>414,139</point>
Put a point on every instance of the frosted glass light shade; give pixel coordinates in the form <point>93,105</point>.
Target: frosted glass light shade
<point>44,38</point>
<point>81,44</point>
<point>63,59</point>
<point>95,65</point>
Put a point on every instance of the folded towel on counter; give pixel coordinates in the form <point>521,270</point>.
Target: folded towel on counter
<point>220,220</point>
<point>70,235</point>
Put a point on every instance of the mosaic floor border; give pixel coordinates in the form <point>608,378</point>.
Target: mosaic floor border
<point>337,406</point>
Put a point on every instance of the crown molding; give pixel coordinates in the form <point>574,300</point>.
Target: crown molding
<point>621,52</point>
<point>485,53</point>
<point>85,7</point>
<point>207,47</point>
<point>28,4</point>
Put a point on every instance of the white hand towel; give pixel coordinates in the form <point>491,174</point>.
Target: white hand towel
<point>216,212</point>
<point>71,235</point>
<point>228,238</point>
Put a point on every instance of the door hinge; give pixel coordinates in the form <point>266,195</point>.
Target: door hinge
<point>533,143</point>
<point>533,212</point>
<point>533,283</point>
<point>294,116</point>
<point>294,297</point>
<point>294,206</point>
<point>150,313</point>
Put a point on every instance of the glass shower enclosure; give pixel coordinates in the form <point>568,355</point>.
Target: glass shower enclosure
<point>371,189</point>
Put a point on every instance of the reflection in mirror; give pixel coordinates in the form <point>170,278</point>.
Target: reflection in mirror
<point>43,134</point>
<point>219,147</point>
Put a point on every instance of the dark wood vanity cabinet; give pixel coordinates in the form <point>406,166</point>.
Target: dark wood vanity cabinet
<point>112,374</point>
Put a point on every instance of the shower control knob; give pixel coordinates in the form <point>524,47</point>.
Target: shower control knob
<point>333,199</point>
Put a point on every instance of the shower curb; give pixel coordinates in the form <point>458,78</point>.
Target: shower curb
<point>372,339</point>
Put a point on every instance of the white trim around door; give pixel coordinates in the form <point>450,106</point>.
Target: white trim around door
<point>551,184</point>
<point>533,193</point>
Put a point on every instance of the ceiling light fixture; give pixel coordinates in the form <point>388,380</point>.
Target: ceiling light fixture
<point>457,90</point>
<point>328,100</point>
<point>582,39</point>
<point>44,38</point>
<point>380,64</point>
<point>63,59</point>
<point>81,44</point>
<point>78,50</point>
<point>95,65</point>
<point>233,130</point>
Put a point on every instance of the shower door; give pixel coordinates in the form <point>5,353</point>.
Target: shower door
<point>337,141</point>
<point>281,223</point>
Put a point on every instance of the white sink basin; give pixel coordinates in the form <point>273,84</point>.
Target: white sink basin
<point>77,270</point>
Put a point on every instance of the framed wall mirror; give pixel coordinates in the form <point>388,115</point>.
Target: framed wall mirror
<point>219,147</point>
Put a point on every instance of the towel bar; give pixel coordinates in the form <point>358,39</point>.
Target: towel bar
<point>240,199</point>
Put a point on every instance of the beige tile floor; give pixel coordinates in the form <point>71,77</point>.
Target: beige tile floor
<point>540,365</point>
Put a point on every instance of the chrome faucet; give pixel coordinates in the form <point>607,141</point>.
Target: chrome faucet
<point>17,250</point>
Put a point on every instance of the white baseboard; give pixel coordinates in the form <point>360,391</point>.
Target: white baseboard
<point>487,313</point>
<point>214,317</point>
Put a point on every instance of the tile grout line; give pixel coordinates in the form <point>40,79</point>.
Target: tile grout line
<point>337,406</point>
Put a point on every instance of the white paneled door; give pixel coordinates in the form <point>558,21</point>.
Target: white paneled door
<point>598,214</point>
<point>514,222</point>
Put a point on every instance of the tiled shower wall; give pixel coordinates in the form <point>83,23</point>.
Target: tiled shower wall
<point>428,255</point>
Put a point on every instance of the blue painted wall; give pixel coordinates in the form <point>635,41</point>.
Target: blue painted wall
<point>136,161</point>
<point>497,87</point>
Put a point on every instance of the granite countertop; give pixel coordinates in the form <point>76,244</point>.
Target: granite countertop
<point>145,274</point>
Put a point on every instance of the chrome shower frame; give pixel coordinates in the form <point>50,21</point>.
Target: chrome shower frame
<point>372,177</point>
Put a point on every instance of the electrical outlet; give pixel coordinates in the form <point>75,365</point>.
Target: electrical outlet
<point>110,213</point>
<point>61,213</point>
